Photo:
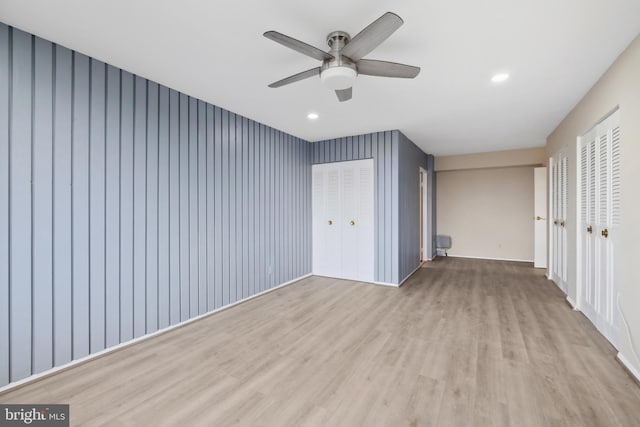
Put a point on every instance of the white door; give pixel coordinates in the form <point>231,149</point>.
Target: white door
<point>343,220</point>
<point>559,186</point>
<point>599,201</point>
<point>540,214</point>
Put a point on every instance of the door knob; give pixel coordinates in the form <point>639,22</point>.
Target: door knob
<point>605,232</point>
<point>555,222</point>
<point>589,229</point>
<point>562,224</point>
<point>330,222</point>
<point>538,218</point>
<point>352,222</point>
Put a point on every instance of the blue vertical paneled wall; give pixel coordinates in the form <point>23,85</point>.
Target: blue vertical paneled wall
<point>412,159</point>
<point>396,163</point>
<point>127,207</point>
<point>383,148</point>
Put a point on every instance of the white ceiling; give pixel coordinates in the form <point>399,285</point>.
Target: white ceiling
<point>214,50</point>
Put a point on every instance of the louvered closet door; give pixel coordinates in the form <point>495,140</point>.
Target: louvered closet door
<point>343,220</point>
<point>600,215</point>
<point>559,187</point>
<point>587,219</point>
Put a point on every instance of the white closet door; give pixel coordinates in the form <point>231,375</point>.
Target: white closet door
<point>559,187</point>
<point>365,221</point>
<point>343,220</point>
<point>333,214</point>
<point>586,227</point>
<point>349,222</point>
<point>600,216</point>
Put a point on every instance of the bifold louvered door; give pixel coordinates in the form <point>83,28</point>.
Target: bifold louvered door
<point>599,206</point>
<point>559,186</point>
<point>343,223</point>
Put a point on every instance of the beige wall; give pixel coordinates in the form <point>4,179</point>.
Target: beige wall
<point>620,85</point>
<point>525,157</point>
<point>487,212</point>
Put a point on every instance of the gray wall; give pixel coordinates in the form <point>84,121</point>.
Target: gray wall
<point>396,163</point>
<point>411,159</point>
<point>126,207</point>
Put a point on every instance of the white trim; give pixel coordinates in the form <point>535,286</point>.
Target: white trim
<point>628,365</point>
<point>490,258</point>
<point>572,303</point>
<point>392,285</point>
<point>411,274</point>
<point>120,346</point>
<point>425,212</point>
<point>558,283</point>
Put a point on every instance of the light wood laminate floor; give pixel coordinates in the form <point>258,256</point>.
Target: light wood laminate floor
<point>463,342</point>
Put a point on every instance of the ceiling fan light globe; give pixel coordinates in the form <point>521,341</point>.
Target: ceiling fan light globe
<point>338,78</point>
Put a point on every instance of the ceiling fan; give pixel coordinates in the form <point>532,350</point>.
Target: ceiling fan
<point>343,62</point>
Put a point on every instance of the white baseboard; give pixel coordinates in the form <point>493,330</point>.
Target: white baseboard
<point>410,274</point>
<point>572,303</point>
<point>392,285</point>
<point>106,351</point>
<point>629,366</point>
<point>490,259</point>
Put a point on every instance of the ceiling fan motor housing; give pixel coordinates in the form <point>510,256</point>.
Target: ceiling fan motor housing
<point>340,72</point>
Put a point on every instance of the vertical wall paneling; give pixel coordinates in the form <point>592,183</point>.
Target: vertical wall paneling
<point>164,208</point>
<point>127,207</point>
<point>112,208</point>
<point>183,156</point>
<point>232,200</point>
<point>42,156</point>
<point>261,208</point>
<point>224,206</point>
<point>210,207</point>
<point>217,226</point>
<point>245,208</point>
<point>97,196</point>
<point>62,242</point>
<point>174,209</point>
<point>139,205</point>
<point>5,313</point>
<point>202,209</point>
<point>251,247</point>
<point>152,220</point>
<point>20,208</point>
<point>80,204</point>
<point>395,207</point>
<point>412,159</point>
<point>193,207</point>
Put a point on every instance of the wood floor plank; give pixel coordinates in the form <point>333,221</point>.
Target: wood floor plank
<point>463,342</point>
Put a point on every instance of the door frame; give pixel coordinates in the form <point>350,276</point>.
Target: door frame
<point>424,220</point>
<point>545,213</point>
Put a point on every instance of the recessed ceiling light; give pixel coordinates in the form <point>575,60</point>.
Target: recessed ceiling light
<point>312,116</point>
<point>500,77</point>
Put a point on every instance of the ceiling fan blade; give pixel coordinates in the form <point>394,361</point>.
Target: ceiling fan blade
<point>344,94</point>
<point>374,34</point>
<point>297,45</point>
<point>370,67</point>
<point>297,77</point>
